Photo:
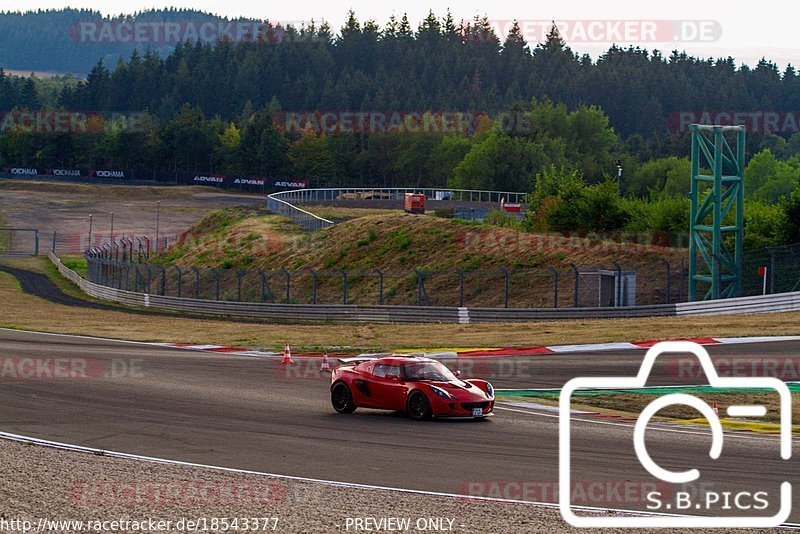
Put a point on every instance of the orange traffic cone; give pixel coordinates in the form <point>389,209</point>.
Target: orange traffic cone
<point>326,365</point>
<point>716,409</point>
<point>287,355</point>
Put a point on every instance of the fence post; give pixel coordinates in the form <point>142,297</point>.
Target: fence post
<point>681,278</point>
<point>313,286</point>
<point>239,285</point>
<point>265,289</point>
<point>216,279</point>
<point>460,287</point>
<point>555,286</point>
<point>577,284</point>
<point>618,289</point>
<point>344,287</point>
<point>288,284</point>
<point>380,287</point>
<point>505,298</point>
<point>54,242</point>
<point>36,243</point>
<point>196,283</point>
<point>127,277</point>
<point>263,278</point>
<point>771,271</point>
<point>136,276</point>
<point>667,267</point>
<point>718,276</point>
<point>163,281</point>
<point>180,280</point>
<point>425,292</point>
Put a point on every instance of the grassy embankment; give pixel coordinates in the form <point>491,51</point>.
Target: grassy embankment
<point>399,244</point>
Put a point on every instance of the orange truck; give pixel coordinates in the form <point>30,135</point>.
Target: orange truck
<point>414,203</point>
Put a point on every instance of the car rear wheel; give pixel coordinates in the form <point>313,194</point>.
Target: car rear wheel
<point>418,406</point>
<point>342,399</point>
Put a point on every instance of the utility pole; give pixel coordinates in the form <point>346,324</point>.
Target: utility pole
<point>618,163</point>
<point>158,221</point>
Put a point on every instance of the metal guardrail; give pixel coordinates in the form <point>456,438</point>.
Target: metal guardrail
<point>307,220</point>
<point>397,193</point>
<point>284,202</point>
<point>417,314</point>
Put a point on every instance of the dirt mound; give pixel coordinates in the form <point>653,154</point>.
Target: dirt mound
<point>385,256</point>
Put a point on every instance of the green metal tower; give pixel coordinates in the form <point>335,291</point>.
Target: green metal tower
<point>717,211</point>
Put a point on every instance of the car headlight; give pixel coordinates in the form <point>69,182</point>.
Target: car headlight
<point>442,393</point>
<point>489,389</point>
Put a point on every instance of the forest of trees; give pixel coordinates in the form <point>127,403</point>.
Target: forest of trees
<point>50,40</point>
<point>223,109</point>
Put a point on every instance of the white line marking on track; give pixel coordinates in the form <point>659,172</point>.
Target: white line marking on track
<point>591,347</point>
<point>77,336</point>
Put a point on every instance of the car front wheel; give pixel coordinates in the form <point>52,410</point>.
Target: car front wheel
<point>418,406</point>
<point>342,399</point>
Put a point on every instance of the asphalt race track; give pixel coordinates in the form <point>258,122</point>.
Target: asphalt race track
<point>251,413</point>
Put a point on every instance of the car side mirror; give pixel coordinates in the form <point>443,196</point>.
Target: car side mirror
<point>457,373</point>
<point>391,376</point>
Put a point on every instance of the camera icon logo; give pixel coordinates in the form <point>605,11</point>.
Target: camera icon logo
<point>675,477</point>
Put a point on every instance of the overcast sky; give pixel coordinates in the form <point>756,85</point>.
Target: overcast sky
<point>745,30</point>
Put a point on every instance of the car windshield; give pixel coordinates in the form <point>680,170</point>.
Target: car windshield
<point>427,371</point>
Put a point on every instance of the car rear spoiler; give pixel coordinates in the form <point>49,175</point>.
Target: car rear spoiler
<point>356,360</point>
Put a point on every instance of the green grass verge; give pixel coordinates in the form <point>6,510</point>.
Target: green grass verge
<point>548,392</point>
<point>76,263</point>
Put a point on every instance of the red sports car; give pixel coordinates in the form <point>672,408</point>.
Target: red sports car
<point>420,387</point>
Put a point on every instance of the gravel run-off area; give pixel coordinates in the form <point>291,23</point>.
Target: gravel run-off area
<point>43,483</point>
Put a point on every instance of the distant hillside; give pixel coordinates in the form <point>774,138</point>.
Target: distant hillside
<point>74,40</point>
